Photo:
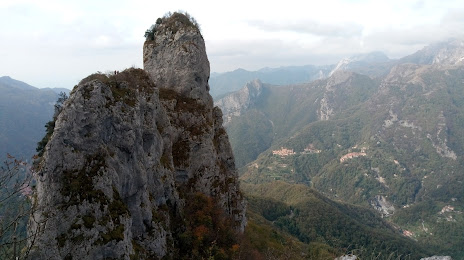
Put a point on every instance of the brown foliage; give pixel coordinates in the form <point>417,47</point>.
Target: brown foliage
<point>209,232</point>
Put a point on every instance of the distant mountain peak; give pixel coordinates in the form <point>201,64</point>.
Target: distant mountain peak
<point>360,60</point>
<point>254,83</point>
<point>449,52</point>
<point>234,104</point>
<point>341,65</point>
<point>375,56</point>
<point>452,53</point>
<point>338,77</point>
<point>8,81</point>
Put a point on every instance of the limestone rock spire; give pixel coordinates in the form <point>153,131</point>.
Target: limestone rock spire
<point>129,152</point>
<point>175,58</point>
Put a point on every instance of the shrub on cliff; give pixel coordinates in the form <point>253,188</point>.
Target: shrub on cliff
<point>208,233</point>
<point>172,21</point>
<point>49,126</point>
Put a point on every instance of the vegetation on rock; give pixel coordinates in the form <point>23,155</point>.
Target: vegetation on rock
<point>205,231</point>
<point>172,21</point>
<point>50,126</point>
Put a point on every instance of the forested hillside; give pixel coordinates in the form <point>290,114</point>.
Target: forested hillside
<point>391,143</point>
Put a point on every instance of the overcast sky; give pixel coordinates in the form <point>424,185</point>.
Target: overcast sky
<point>55,43</point>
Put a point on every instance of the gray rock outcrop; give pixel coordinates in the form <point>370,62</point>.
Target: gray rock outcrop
<point>236,103</point>
<point>128,152</point>
<point>382,205</point>
<point>435,257</point>
<point>446,53</point>
<point>347,257</point>
<point>176,59</point>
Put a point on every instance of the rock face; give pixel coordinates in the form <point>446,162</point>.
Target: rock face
<point>235,104</point>
<point>347,257</point>
<point>128,153</point>
<point>359,61</point>
<point>450,52</point>
<point>382,205</point>
<point>176,59</point>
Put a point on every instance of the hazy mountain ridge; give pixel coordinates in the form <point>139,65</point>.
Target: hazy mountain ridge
<point>445,53</point>
<point>371,64</point>
<point>361,61</point>
<point>223,83</point>
<point>24,110</point>
<point>8,81</point>
<point>395,144</point>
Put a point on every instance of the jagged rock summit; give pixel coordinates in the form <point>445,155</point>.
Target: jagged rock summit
<point>139,162</point>
<point>175,58</point>
<point>446,53</point>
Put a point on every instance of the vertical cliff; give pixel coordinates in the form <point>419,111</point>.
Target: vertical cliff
<point>137,158</point>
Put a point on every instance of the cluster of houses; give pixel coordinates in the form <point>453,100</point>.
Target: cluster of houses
<point>283,152</point>
<point>310,149</point>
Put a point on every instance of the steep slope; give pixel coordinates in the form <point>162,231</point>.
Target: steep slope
<point>139,161</point>
<point>24,110</point>
<point>237,103</point>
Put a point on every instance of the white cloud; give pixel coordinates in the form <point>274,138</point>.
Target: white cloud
<point>312,27</point>
<point>55,42</point>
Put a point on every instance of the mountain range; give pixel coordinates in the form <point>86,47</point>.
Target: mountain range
<point>372,63</point>
<point>387,137</point>
<point>360,157</point>
<point>223,83</point>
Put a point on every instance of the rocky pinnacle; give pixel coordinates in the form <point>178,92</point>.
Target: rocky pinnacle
<point>129,151</point>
